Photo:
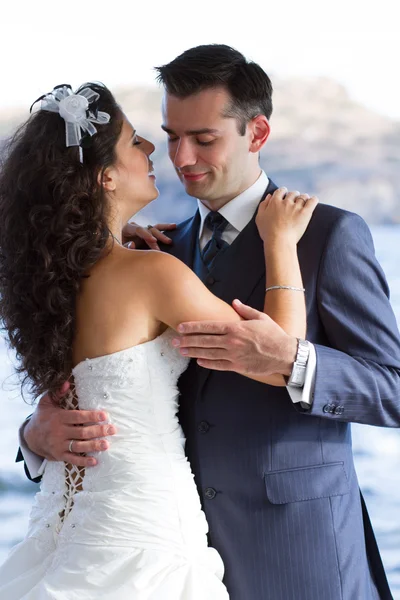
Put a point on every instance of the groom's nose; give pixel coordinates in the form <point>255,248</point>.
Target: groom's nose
<point>185,154</point>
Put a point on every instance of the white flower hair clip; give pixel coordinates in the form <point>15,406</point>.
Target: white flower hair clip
<point>76,111</point>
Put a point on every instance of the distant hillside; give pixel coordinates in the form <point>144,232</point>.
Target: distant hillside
<point>322,142</point>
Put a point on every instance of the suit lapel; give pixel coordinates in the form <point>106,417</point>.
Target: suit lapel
<point>184,239</point>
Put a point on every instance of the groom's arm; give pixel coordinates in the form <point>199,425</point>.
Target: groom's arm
<point>357,375</point>
<point>33,464</point>
<point>46,435</point>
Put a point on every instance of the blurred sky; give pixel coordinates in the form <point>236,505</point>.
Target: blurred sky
<point>48,42</point>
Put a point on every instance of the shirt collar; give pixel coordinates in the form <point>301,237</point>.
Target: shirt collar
<point>240,210</point>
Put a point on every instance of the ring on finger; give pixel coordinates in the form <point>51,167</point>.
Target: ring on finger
<point>70,446</point>
<point>301,197</point>
<point>149,227</point>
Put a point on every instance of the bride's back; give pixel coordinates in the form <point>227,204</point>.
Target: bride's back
<point>114,306</point>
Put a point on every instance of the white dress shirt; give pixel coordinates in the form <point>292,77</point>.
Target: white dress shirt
<point>239,212</point>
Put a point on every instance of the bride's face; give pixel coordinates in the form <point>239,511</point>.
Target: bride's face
<point>132,173</point>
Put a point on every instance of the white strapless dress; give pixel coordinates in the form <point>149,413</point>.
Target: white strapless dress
<point>133,529</point>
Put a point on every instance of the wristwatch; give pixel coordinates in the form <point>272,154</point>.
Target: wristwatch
<point>298,374</point>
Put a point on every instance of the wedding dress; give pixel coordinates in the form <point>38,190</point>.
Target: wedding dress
<point>132,527</point>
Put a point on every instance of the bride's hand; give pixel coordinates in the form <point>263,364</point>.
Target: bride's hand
<point>136,236</point>
<point>285,214</point>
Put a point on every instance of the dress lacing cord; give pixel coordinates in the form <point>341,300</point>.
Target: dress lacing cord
<point>73,475</point>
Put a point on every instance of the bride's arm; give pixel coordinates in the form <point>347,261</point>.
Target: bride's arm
<point>179,296</point>
<point>282,220</point>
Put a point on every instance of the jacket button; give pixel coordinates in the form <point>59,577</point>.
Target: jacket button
<point>203,427</point>
<point>210,493</point>
<point>330,408</point>
<point>210,280</point>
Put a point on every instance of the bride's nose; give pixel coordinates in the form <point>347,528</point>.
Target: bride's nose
<point>148,147</point>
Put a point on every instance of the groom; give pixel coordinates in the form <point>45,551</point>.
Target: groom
<point>273,466</point>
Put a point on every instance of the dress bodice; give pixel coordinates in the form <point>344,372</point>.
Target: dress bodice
<point>144,473</point>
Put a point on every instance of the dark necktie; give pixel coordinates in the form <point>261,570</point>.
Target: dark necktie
<point>216,223</point>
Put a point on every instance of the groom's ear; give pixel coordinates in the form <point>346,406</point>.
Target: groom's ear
<point>258,130</point>
<point>107,179</point>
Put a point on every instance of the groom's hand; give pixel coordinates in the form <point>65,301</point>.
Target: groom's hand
<point>256,347</point>
<point>50,429</point>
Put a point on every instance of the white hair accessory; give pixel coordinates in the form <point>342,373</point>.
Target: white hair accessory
<point>74,108</point>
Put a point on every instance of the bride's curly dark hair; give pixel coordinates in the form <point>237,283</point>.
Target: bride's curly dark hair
<point>53,229</point>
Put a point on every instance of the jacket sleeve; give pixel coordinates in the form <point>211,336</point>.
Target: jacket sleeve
<point>358,372</point>
<point>32,463</point>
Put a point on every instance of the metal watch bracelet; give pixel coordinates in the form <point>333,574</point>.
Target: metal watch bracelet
<point>298,374</point>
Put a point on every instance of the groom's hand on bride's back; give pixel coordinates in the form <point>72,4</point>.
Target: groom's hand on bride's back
<point>136,236</point>
<point>51,428</point>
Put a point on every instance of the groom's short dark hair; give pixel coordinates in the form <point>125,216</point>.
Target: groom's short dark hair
<point>215,65</point>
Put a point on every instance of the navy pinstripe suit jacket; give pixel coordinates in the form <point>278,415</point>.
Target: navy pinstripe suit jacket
<point>278,484</point>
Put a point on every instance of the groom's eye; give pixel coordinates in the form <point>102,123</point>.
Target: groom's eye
<point>205,142</point>
<point>172,139</point>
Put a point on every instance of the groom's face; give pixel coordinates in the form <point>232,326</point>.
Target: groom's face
<point>213,161</point>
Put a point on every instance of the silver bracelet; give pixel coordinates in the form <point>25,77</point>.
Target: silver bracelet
<point>285,287</point>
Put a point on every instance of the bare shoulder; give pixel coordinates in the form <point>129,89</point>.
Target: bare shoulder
<point>151,273</point>
<point>158,259</point>
<point>160,266</point>
<point>133,268</point>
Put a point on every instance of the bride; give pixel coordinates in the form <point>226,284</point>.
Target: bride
<point>74,299</point>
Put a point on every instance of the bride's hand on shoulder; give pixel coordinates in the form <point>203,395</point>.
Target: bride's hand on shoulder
<point>139,237</point>
<point>285,215</point>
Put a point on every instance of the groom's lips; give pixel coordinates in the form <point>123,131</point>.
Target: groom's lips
<point>193,176</point>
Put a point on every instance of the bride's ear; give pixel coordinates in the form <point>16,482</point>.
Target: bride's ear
<point>107,179</point>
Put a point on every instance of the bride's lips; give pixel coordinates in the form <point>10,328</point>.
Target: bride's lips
<point>193,176</point>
